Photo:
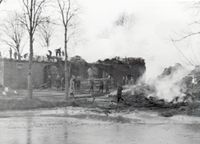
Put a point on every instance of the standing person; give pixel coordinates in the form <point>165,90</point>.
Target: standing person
<point>58,52</point>
<point>50,53</point>
<point>78,83</point>
<point>91,91</point>
<point>101,86</point>
<point>91,86</point>
<point>72,87</point>
<point>58,81</point>
<point>132,80</point>
<point>62,81</point>
<point>75,83</point>
<point>49,81</point>
<point>107,85</point>
<point>15,55</point>
<point>124,80</point>
<point>119,93</point>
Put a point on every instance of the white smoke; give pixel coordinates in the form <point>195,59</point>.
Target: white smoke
<point>122,37</point>
<point>169,86</point>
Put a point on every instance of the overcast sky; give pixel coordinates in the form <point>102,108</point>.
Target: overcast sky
<point>147,33</point>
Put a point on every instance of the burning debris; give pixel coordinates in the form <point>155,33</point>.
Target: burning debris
<point>176,89</point>
<point>191,84</point>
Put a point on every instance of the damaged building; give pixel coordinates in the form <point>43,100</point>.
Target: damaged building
<point>14,72</point>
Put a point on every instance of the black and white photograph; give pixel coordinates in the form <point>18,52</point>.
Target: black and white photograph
<point>99,71</point>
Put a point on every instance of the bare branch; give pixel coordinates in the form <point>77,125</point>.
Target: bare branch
<point>195,5</point>
<point>46,31</point>
<point>187,36</point>
<point>13,33</point>
<point>32,16</point>
<point>187,59</point>
<point>62,7</point>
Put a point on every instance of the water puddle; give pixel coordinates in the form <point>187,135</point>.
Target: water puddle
<point>82,126</point>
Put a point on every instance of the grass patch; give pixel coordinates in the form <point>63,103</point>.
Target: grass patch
<point>27,104</point>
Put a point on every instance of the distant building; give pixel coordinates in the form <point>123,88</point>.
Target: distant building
<point>13,73</point>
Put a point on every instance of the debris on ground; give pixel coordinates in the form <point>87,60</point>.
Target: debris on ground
<point>143,95</point>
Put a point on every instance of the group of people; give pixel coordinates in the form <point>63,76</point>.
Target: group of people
<point>103,85</point>
<point>58,54</point>
<point>75,85</point>
<point>17,56</point>
<point>106,84</point>
<point>128,80</point>
<point>58,81</point>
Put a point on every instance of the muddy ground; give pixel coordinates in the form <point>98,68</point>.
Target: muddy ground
<point>103,103</point>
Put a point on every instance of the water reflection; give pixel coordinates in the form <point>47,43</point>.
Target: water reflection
<point>65,132</point>
<point>61,130</point>
<point>29,130</point>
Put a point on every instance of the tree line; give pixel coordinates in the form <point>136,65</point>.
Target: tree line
<point>34,20</point>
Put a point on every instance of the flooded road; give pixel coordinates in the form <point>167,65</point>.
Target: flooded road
<point>55,127</point>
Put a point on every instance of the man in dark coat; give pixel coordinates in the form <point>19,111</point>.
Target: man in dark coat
<point>119,94</point>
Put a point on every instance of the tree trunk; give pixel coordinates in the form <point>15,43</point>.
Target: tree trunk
<point>66,80</point>
<point>19,57</point>
<point>30,88</point>
<point>66,68</point>
<point>18,53</point>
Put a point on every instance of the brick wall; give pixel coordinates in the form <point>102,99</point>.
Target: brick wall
<point>15,73</point>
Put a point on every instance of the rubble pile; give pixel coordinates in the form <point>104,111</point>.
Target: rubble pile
<point>145,95</point>
<point>142,96</point>
<point>191,84</point>
<point>171,70</point>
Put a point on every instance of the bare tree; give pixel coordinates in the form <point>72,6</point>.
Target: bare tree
<point>67,12</point>
<point>46,32</point>
<point>13,34</point>
<point>196,6</point>
<point>189,34</point>
<point>31,19</point>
